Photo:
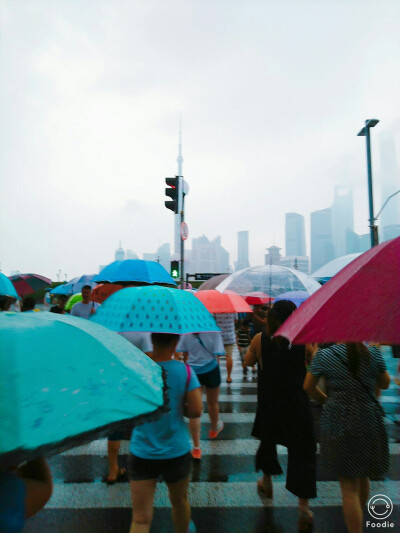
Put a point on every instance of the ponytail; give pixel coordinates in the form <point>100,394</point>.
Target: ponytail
<point>356,352</point>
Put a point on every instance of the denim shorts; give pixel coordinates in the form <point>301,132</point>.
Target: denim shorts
<point>171,470</point>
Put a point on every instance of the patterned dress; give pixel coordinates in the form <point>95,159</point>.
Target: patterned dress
<point>354,441</point>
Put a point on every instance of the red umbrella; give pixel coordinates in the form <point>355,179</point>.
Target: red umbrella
<point>257,298</point>
<point>103,291</point>
<point>217,302</point>
<point>29,283</point>
<point>360,303</point>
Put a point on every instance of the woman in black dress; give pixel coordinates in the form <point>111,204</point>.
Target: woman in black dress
<point>283,412</point>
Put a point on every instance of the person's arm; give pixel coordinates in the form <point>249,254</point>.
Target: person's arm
<point>310,386</point>
<point>250,359</point>
<point>383,380</point>
<point>194,403</point>
<point>38,483</point>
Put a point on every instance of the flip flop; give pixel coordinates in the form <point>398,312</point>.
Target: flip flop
<point>120,475</point>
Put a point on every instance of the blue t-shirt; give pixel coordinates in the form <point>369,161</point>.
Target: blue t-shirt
<point>168,436</point>
<point>12,503</point>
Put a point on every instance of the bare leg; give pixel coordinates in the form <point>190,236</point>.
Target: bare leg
<point>229,366</point>
<point>37,478</point>
<point>142,493</point>
<point>178,494</point>
<point>195,426</point>
<point>113,447</point>
<point>364,491</point>
<point>352,510</point>
<point>264,485</point>
<point>212,406</point>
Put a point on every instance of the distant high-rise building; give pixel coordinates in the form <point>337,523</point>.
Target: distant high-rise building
<point>243,250</point>
<point>119,253</point>
<point>149,257</point>
<point>298,262</point>
<point>321,238</point>
<point>390,183</point>
<point>273,257</point>
<point>357,243</point>
<point>208,256</point>
<point>164,256</point>
<point>342,218</point>
<point>295,235</point>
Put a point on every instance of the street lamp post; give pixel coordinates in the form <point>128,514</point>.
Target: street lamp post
<point>370,123</point>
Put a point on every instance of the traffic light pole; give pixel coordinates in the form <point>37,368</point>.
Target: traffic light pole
<point>182,243</point>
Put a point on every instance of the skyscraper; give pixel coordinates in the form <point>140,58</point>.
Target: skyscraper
<point>295,235</point>
<point>342,218</point>
<point>119,253</point>
<point>243,250</point>
<point>321,238</point>
<point>390,183</point>
<point>209,256</point>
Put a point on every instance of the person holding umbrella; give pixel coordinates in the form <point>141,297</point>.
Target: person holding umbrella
<point>354,442</point>
<point>59,308</point>
<point>85,308</point>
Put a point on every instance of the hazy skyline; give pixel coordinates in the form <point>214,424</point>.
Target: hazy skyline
<point>271,94</point>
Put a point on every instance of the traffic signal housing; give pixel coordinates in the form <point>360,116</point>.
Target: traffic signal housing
<point>173,192</point>
<point>175,269</point>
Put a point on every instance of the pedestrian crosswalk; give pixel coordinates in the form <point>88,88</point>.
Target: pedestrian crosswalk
<point>223,490</point>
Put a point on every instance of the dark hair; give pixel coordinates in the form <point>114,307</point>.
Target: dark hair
<point>245,322</point>
<point>164,339</point>
<point>355,352</point>
<point>28,304</point>
<point>86,287</point>
<point>5,302</point>
<point>63,297</point>
<point>280,312</point>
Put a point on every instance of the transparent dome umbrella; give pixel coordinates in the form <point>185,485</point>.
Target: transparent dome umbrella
<point>154,309</point>
<point>327,271</point>
<point>65,381</point>
<point>270,279</point>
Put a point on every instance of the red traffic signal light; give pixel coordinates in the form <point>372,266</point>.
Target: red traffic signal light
<point>173,192</point>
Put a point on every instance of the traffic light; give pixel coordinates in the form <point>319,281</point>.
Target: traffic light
<point>175,269</point>
<point>173,192</point>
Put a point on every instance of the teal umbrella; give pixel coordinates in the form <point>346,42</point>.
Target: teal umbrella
<point>64,381</point>
<point>6,287</point>
<point>155,309</point>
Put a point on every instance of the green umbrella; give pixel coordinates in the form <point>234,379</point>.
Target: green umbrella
<point>64,380</point>
<point>72,300</point>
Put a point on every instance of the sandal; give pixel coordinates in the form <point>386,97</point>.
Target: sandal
<point>265,489</point>
<point>306,521</point>
<point>120,475</point>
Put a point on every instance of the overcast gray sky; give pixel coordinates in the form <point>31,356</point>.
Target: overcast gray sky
<point>272,94</point>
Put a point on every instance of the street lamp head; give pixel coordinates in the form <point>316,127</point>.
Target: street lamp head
<point>369,123</point>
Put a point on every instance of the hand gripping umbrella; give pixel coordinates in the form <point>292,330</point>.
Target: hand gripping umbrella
<point>65,381</point>
<point>154,309</point>
<point>228,302</point>
<point>360,303</point>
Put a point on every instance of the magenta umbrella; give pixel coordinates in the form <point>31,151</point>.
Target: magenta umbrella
<point>360,303</point>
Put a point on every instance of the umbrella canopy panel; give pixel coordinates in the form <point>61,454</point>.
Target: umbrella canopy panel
<point>135,270</point>
<point>327,271</point>
<point>29,283</point>
<point>217,302</point>
<point>6,287</point>
<point>75,285</point>
<point>361,303</point>
<point>102,291</point>
<point>154,309</point>
<point>63,377</point>
<point>297,297</point>
<point>257,298</point>
<point>270,279</point>
<point>213,282</point>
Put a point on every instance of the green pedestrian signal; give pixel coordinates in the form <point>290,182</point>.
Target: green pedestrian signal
<point>175,269</point>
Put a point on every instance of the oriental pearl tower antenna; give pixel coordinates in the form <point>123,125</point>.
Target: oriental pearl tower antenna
<point>180,174</point>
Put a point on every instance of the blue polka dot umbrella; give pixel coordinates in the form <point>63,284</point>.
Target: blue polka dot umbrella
<point>154,309</point>
<point>65,381</point>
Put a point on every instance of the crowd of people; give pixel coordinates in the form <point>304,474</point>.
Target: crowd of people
<point>288,376</point>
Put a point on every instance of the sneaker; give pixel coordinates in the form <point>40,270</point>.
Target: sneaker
<point>196,453</point>
<point>192,527</point>
<point>213,433</point>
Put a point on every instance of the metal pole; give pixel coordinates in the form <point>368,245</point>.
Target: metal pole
<point>182,242</point>
<point>370,189</point>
